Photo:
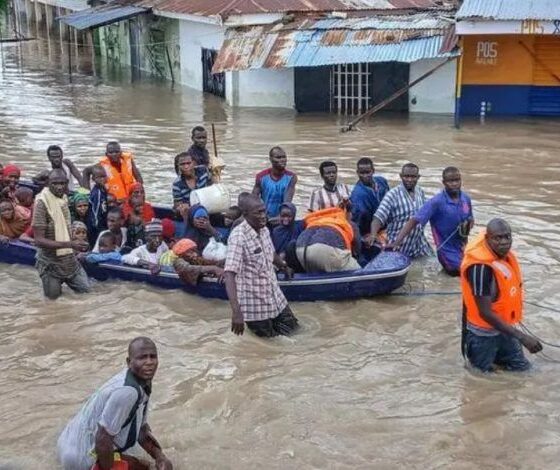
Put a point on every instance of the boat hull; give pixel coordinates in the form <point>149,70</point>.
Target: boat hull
<point>384,274</point>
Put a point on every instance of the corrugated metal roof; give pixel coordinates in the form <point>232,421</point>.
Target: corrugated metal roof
<point>225,8</point>
<point>101,15</point>
<point>324,42</point>
<point>510,9</point>
<point>73,5</point>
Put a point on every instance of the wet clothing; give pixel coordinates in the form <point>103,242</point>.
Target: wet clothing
<point>483,274</point>
<point>273,190</point>
<point>445,215</point>
<point>365,201</point>
<point>250,257</point>
<point>54,268</point>
<point>283,325</point>
<point>323,198</point>
<point>486,352</point>
<point>396,208</point>
<point>120,406</point>
<point>181,190</point>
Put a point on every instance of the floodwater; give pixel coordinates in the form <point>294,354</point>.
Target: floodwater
<point>368,384</point>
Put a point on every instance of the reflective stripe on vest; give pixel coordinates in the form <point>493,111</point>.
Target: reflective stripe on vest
<point>118,184</point>
<point>509,304</point>
<point>335,218</point>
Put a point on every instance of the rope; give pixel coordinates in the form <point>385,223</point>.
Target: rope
<point>529,332</point>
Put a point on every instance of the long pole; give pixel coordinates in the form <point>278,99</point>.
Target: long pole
<point>69,43</point>
<point>215,145</point>
<point>393,97</point>
<point>459,87</point>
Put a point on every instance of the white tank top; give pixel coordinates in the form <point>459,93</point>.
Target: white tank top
<point>71,180</point>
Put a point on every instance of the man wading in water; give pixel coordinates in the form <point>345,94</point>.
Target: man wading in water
<point>114,418</point>
<point>56,261</point>
<point>492,288</point>
<point>251,283</point>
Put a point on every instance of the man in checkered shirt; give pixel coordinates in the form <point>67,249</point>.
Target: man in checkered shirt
<point>250,278</point>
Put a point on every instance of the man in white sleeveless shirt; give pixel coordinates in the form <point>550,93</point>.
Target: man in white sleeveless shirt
<point>114,419</point>
<point>57,161</point>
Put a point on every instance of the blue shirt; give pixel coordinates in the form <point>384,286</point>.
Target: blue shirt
<point>273,190</point>
<point>181,190</point>
<point>445,215</point>
<point>365,201</point>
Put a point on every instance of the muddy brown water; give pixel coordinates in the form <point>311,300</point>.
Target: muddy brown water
<point>374,383</point>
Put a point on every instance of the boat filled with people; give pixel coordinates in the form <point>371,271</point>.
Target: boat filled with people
<point>72,225</point>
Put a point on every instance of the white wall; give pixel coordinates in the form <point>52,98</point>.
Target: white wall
<point>193,37</point>
<point>436,94</point>
<point>263,88</point>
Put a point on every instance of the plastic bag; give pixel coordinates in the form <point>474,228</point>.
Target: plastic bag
<point>214,251</point>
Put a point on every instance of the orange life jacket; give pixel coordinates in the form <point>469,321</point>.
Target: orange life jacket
<point>335,218</point>
<point>509,303</point>
<point>118,184</point>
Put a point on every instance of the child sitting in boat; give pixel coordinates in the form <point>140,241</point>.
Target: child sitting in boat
<point>135,235</point>
<point>78,231</point>
<point>98,202</point>
<point>115,226</point>
<point>107,250</point>
<point>24,202</point>
<point>288,230</point>
<point>148,255</point>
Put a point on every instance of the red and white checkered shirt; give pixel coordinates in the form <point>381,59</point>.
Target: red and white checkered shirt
<point>250,256</point>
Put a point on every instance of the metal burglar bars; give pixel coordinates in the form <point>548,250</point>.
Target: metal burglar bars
<point>350,91</point>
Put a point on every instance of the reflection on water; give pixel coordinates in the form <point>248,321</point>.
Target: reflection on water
<point>376,383</point>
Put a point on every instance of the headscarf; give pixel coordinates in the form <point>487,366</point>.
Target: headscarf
<point>148,212</point>
<point>81,195</point>
<point>76,225</point>
<point>183,245</point>
<point>154,226</point>
<point>168,227</point>
<point>283,235</point>
<point>15,227</point>
<point>11,169</point>
<point>200,237</point>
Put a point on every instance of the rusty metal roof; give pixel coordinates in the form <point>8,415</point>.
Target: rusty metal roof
<point>225,8</point>
<point>307,42</point>
<point>503,10</point>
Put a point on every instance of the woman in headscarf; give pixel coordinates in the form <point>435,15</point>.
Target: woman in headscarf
<point>12,224</point>
<point>190,266</point>
<point>288,230</point>
<point>198,227</point>
<point>137,200</point>
<point>10,180</point>
<point>79,211</point>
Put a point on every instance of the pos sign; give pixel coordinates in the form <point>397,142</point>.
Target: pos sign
<point>486,52</point>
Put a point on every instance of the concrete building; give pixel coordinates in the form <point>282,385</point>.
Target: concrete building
<point>511,57</point>
<point>341,56</point>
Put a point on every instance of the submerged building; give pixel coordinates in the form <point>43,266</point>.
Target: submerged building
<point>511,57</point>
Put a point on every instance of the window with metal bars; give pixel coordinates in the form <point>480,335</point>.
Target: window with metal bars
<point>350,88</point>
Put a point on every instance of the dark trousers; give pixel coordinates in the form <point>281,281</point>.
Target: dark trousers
<point>488,352</point>
<point>284,324</point>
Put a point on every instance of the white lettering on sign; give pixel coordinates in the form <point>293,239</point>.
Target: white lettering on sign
<point>532,27</point>
<point>486,53</point>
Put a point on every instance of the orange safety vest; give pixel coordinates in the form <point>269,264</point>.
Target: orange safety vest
<point>509,304</point>
<point>335,218</point>
<point>118,184</point>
